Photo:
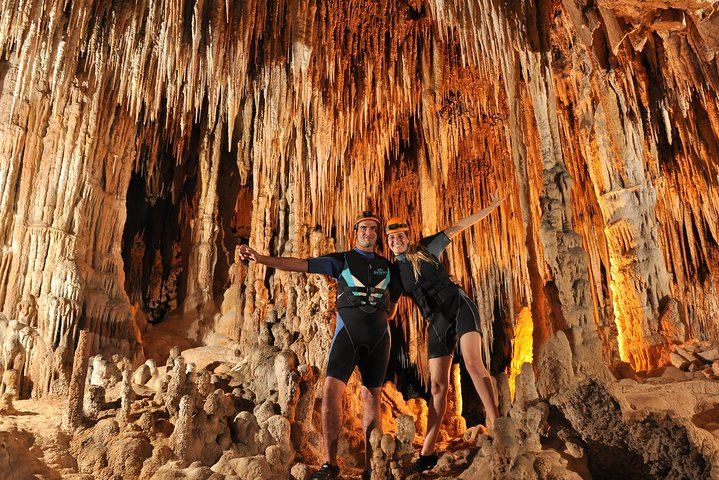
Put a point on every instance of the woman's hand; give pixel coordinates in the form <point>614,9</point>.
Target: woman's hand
<point>495,199</point>
<point>474,218</point>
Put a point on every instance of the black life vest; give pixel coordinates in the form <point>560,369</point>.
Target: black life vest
<point>363,282</point>
<point>432,290</point>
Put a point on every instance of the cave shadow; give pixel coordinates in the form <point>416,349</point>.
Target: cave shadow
<point>603,461</point>
<point>20,413</point>
<point>708,419</point>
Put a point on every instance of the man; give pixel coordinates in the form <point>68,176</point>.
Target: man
<point>364,295</point>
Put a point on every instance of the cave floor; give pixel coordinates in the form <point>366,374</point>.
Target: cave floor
<point>32,437</point>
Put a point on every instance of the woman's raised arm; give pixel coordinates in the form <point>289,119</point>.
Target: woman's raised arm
<point>467,222</point>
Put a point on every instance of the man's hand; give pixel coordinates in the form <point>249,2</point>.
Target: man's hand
<point>455,280</point>
<point>247,254</point>
<point>289,264</point>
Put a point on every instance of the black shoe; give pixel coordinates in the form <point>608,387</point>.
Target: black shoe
<point>326,472</point>
<point>425,462</point>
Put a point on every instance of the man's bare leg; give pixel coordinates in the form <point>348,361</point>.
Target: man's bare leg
<point>332,416</point>
<point>371,417</point>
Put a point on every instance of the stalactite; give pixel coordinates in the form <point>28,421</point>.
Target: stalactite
<point>204,228</point>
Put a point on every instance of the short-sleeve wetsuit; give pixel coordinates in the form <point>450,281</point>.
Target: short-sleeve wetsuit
<point>445,306</point>
<point>364,291</point>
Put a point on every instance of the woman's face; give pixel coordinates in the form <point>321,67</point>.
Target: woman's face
<point>398,242</point>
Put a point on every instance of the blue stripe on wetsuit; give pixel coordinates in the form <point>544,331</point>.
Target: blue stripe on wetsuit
<point>340,326</point>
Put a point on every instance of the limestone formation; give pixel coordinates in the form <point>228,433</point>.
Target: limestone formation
<point>142,142</point>
<point>6,406</point>
<point>505,446</point>
<point>392,455</point>
<point>596,416</point>
<point>177,386</point>
<point>554,366</point>
<point>10,381</point>
<point>288,380</point>
<point>142,374</point>
<point>526,390</point>
<point>380,458</point>
<point>94,401</point>
<point>504,402</point>
<point>404,450</point>
<point>73,414</point>
<point>126,397</point>
<point>182,434</point>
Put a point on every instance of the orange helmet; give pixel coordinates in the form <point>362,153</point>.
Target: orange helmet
<point>396,225</point>
<point>366,215</point>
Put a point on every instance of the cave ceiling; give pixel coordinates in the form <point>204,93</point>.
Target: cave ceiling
<point>141,142</point>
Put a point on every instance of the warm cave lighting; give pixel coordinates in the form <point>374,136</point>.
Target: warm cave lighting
<point>521,346</point>
<point>456,380</point>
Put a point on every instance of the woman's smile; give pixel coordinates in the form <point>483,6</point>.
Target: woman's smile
<point>398,242</point>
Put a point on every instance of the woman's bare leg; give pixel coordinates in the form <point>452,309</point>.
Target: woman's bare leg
<point>471,345</point>
<point>439,378</point>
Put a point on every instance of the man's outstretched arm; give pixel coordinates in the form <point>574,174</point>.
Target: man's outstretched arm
<point>290,264</point>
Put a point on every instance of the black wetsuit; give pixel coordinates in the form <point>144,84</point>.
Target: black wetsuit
<point>364,292</point>
<point>445,306</point>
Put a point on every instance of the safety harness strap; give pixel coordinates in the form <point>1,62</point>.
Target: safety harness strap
<point>358,295</point>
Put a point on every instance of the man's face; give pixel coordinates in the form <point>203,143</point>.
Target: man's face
<point>367,234</point>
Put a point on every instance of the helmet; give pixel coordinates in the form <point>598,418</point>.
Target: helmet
<point>366,215</point>
<point>396,225</point>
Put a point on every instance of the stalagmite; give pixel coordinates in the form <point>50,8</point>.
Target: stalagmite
<point>380,458</point>
<point>505,446</point>
<point>554,366</point>
<point>6,406</point>
<point>123,414</point>
<point>404,450</point>
<point>94,401</point>
<point>177,386</point>
<point>182,434</point>
<point>504,402</point>
<point>73,414</point>
<point>288,380</point>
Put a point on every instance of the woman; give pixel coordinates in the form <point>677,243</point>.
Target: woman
<point>451,315</point>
